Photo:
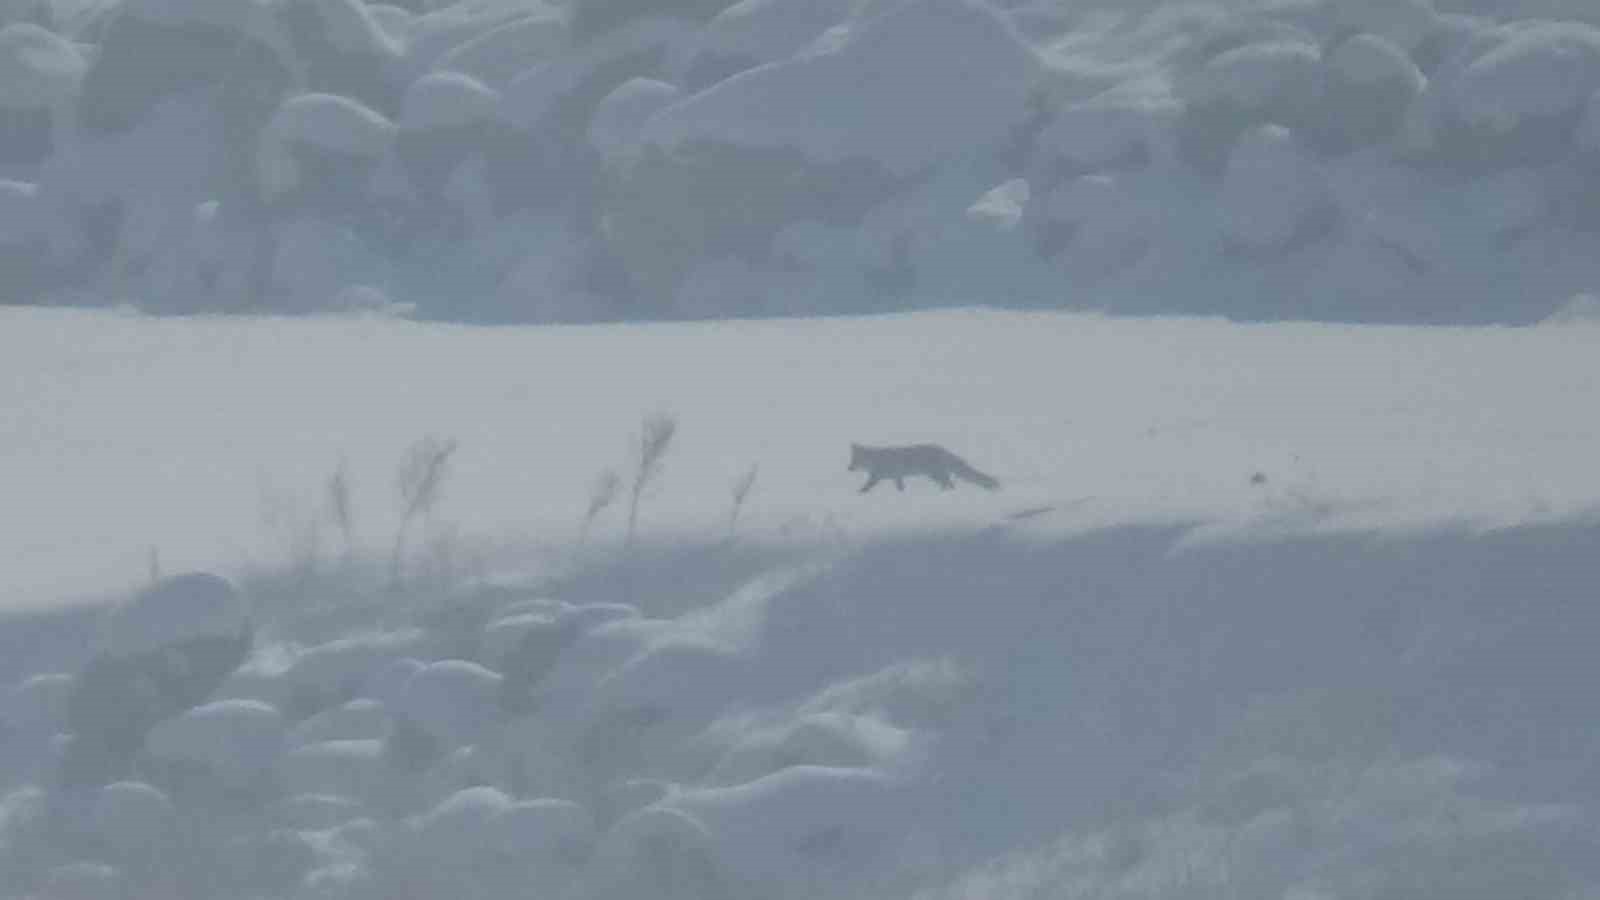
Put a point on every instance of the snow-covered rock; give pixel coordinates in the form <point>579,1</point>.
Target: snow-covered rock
<point>1273,82</point>
<point>173,612</point>
<point>162,652</point>
<point>341,50</point>
<point>361,719</point>
<point>1536,73</point>
<point>500,54</point>
<point>453,701</point>
<point>1272,193</point>
<point>40,74</point>
<point>1406,23</point>
<point>775,830</point>
<point>1114,130</point>
<point>238,740</point>
<point>38,705</point>
<point>357,769</point>
<point>84,881</point>
<point>133,818</point>
<point>539,158</point>
<point>960,51</point>
<point>342,669</point>
<point>620,116</point>
<point>444,119</point>
<point>314,812</point>
<point>1371,85</point>
<point>157,49</point>
<point>755,32</point>
<point>322,146</point>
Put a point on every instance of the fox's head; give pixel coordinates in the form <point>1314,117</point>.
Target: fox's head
<point>855,457</point>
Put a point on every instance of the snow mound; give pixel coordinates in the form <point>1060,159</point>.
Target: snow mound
<point>454,701</point>
<point>1116,129</point>
<point>1257,77</point>
<point>355,769</point>
<point>348,25</point>
<point>226,14</point>
<point>342,668</point>
<point>1369,59</point>
<point>175,611</point>
<point>536,94</point>
<point>1405,22</point>
<point>442,100</point>
<point>621,115</point>
<point>1539,71</point>
<point>84,881</point>
<point>960,51</point>
<point>1271,191</point>
<point>753,32</point>
<point>330,122</point>
<point>37,706</point>
<point>500,54</point>
<point>237,739</point>
<point>132,815</point>
<point>38,69</point>
<point>361,719</point>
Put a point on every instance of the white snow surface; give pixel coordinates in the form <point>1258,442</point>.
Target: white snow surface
<point>131,434</point>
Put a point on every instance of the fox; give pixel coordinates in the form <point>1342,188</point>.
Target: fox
<point>930,460</point>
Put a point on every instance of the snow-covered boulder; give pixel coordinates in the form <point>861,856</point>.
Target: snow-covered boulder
<point>1506,206</point>
<point>444,118</point>
<point>157,49</point>
<point>592,19</point>
<point>134,819</point>
<point>314,812</point>
<point>539,159</point>
<point>1111,131</point>
<point>340,670</point>
<point>38,705</point>
<point>481,836</point>
<point>1371,84</point>
<point>357,769</point>
<point>1095,224</point>
<point>164,651</point>
<point>361,719</point>
<point>238,741</point>
<point>1272,82</point>
<point>84,881</point>
<point>958,50</point>
<point>500,54</point>
<point>752,838</point>
<point>1273,194</point>
<point>621,115</point>
<point>756,32</point>
<point>341,50</point>
<point>671,206</point>
<point>455,702</point>
<point>24,261</point>
<point>40,75</point>
<point>1515,96</point>
<point>1405,23</point>
<point>318,152</point>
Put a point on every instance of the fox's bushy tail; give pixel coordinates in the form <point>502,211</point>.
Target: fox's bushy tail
<point>964,470</point>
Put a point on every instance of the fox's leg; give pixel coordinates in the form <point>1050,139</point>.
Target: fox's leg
<point>900,483</point>
<point>943,478</point>
<point>872,481</point>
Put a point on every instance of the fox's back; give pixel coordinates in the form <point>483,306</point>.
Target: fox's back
<point>912,458</point>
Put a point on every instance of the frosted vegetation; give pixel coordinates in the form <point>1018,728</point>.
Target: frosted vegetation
<point>301,601</point>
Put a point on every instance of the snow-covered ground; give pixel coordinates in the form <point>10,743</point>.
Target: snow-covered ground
<point>1263,610</point>
<point>209,440</point>
<point>313,584</point>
